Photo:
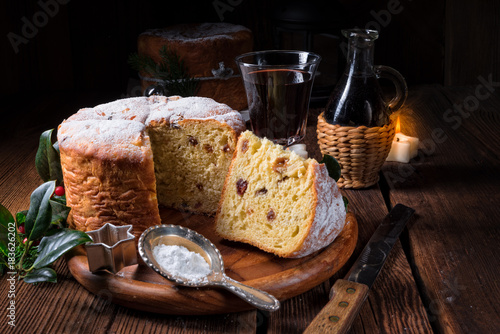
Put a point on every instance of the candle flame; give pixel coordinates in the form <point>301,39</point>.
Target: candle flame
<point>398,125</point>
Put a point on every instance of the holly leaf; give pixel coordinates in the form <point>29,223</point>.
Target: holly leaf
<point>60,211</point>
<point>47,160</point>
<point>5,216</point>
<point>52,247</point>
<point>41,275</point>
<point>39,215</point>
<point>21,217</point>
<point>333,166</point>
<point>6,219</point>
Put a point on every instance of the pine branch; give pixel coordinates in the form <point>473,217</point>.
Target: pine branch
<point>142,63</point>
<point>171,70</point>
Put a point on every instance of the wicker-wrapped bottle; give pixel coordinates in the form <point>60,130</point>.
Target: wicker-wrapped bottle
<point>356,128</point>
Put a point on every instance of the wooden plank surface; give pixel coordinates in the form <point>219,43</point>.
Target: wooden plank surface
<point>448,257</point>
<point>454,186</point>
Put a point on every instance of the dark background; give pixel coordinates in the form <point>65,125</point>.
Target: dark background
<point>84,45</point>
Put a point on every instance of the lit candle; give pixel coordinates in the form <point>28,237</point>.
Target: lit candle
<point>401,138</point>
<point>403,147</point>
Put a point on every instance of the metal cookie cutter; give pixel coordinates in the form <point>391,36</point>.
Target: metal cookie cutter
<point>113,248</point>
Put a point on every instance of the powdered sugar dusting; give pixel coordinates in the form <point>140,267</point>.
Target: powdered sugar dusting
<point>190,32</point>
<point>233,119</point>
<point>194,107</point>
<point>330,213</point>
<point>95,137</point>
<point>181,262</point>
<point>136,108</point>
<point>121,125</point>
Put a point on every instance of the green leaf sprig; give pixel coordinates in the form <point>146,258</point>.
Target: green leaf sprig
<point>47,161</point>
<point>35,238</point>
<point>334,171</point>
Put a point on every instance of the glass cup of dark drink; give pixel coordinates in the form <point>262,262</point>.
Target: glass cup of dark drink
<point>278,85</point>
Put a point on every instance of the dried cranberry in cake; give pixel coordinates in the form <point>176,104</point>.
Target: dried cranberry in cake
<point>262,191</point>
<point>244,146</point>
<point>279,165</point>
<point>208,148</point>
<point>193,141</point>
<point>199,186</point>
<point>241,187</point>
<point>271,215</point>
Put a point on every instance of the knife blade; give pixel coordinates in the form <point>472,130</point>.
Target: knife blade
<point>347,295</point>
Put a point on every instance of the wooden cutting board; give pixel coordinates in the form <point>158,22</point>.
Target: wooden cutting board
<point>139,287</point>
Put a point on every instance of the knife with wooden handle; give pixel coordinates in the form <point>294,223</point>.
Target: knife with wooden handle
<point>347,295</point>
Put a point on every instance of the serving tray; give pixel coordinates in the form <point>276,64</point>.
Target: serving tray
<point>139,287</point>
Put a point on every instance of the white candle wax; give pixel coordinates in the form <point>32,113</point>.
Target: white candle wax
<point>400,151</point>
<point>412,140</point>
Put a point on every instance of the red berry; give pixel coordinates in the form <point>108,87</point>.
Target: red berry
<point>59,191</point>
<point>21,229</point>
<point>24,241</point>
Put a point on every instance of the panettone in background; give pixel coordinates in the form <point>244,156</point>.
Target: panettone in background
<point>206,52</point>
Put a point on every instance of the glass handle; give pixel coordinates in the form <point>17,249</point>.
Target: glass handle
<point>387,72</point>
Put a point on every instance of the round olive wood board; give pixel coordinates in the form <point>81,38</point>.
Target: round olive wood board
<point>140,288</point>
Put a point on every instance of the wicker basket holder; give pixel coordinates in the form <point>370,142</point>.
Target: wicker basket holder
<point>361,151</point>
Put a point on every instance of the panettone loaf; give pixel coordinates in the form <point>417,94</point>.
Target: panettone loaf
<point>202,47</point>
<point>278,201</point>
<point>121,159</point>
<point>108,174</point>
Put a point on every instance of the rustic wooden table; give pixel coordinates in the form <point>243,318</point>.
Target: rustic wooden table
<point>441,277</point>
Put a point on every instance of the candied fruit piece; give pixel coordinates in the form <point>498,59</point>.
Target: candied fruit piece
<point>271,215</point>
<point>279,165</point>
<point>241,187</point>
<point>193,141</point>
<point>244,146</point>
<point>283,179</point>
<point>208,148</point>
<point>262,191</point>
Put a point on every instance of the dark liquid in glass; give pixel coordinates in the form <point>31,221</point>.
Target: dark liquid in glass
<point>357,101</point>
<point>278,104</point>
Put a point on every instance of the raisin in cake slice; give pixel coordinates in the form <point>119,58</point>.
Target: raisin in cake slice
<point>278,201</point>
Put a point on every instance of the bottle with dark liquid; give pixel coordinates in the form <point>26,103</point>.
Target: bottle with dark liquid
<point>357,98</point>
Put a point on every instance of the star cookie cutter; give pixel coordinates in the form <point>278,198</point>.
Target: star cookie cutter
<point>113,248</point>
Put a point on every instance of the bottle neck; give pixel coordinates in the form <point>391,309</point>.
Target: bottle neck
<point>360,56</point>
